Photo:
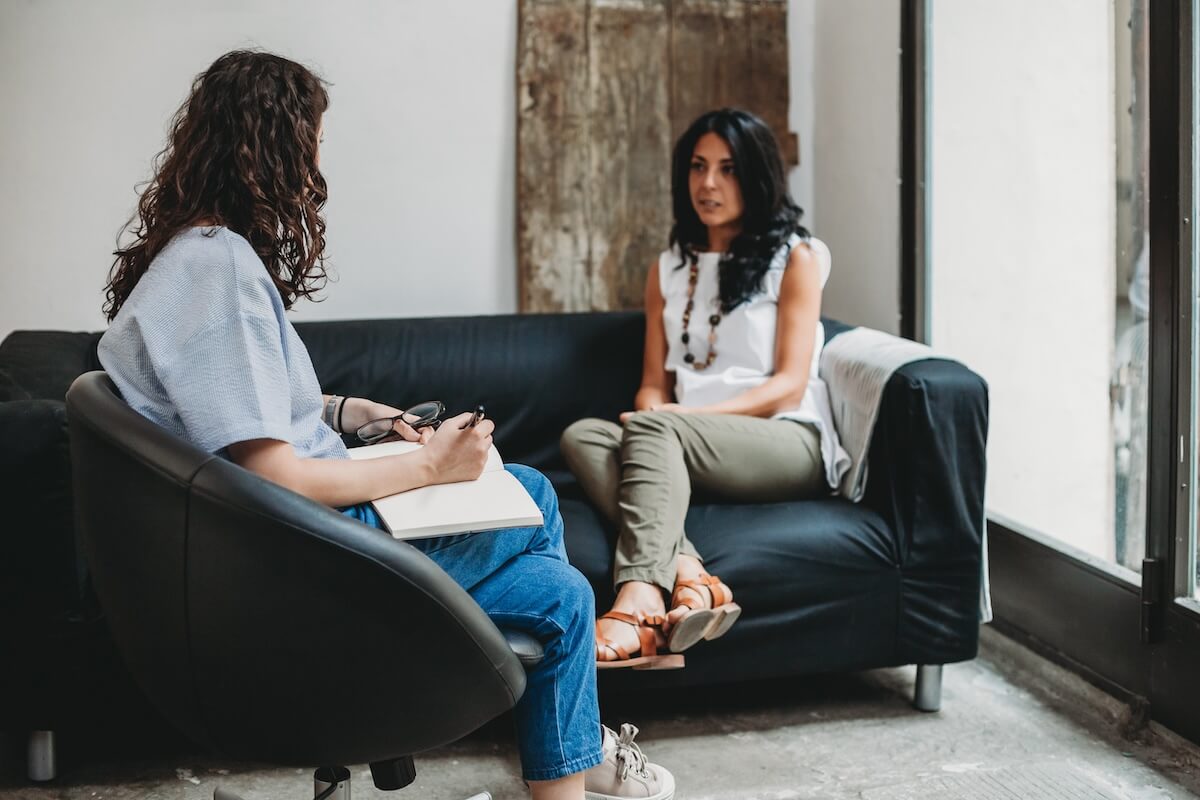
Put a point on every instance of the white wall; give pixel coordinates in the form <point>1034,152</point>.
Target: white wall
<point>855,154</point>
<point>1023,246</point>
<point>801,84</point>
<point>419,150</point>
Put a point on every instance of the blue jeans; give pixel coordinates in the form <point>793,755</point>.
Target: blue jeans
<point>520,577</point>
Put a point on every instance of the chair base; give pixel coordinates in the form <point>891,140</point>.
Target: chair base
<point>927,695</point>
<point>329,783</point>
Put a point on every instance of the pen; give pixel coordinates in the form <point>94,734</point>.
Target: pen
<point>478,415</point>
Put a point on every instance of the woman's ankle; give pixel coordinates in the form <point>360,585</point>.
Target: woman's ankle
<point>568,788</point>
<point>688,568</point>
<point>635,596</point>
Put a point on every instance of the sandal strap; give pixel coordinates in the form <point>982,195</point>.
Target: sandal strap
<point>647,640</point>
<point>608,644</point>
<point>647,626</point>
<point>718,591</point>
<point>621,616</point>
<point>653,620</point>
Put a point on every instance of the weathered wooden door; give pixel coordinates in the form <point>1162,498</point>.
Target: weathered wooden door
<point>604,89</point>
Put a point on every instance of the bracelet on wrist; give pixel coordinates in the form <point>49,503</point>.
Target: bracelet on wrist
<point>341,407</point>
<point>328,410</point>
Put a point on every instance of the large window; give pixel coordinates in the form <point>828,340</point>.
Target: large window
<point>1039,254</point>
<point>1050,195</point>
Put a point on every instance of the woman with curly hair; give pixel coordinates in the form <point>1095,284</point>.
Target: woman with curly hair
<point>730,403</point>
<point>229,236</point>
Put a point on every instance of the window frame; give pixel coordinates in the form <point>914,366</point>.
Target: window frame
<point>1138,639</point>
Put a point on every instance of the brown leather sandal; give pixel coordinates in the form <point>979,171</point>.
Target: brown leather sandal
<point>649,631</point>
<point>711,622</point>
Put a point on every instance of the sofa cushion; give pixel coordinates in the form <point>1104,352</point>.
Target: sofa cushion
<point>10,389</point>
<point>43,363</point>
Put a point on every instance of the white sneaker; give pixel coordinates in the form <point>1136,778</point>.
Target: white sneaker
<point>625,773</point>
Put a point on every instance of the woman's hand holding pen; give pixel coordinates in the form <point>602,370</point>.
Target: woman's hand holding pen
<point>458,451</point>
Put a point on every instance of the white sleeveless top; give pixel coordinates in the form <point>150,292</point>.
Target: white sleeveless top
<point>745,343</point>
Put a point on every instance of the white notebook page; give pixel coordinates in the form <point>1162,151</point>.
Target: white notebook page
<point>495,500</point>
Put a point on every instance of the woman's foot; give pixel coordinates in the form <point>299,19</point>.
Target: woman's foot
<point>625,773</point>
<point>627,629</point>
<point>687,571</point>
<point>702,607</point>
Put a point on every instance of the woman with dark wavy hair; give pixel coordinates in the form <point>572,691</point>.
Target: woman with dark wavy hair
<point>228,236</point>
<point>730,403</point>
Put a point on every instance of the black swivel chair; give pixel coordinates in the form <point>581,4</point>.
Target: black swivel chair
<point>269,627</point>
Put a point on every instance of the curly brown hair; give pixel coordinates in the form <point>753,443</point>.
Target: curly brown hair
<point>242,153</point>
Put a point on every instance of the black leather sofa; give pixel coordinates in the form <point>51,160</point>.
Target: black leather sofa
<point>59,669</point>
<point>826,585</point>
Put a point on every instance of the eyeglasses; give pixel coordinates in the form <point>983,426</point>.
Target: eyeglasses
<point>422,415</point>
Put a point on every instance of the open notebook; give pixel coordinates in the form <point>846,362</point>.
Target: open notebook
<point>494,500</point>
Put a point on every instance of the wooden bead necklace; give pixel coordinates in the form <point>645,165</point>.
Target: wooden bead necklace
<point>713,321</point>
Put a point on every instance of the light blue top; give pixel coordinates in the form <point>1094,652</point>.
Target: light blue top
<point>203,348</point>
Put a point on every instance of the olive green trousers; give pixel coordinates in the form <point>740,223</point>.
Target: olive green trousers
<point>641,476</point>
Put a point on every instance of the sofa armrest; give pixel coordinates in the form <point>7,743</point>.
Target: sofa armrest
<point>38,562</point>
<point>928,465</point>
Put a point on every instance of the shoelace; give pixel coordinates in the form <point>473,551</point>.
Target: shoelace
<point>629,755</point>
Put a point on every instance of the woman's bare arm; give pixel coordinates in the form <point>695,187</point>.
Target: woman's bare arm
<point>658,385</point>
<point>451,454</point>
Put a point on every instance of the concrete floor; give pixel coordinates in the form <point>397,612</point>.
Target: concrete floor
<point>1012,726</point>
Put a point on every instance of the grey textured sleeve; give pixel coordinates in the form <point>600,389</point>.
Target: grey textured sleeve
<point>230,383</point>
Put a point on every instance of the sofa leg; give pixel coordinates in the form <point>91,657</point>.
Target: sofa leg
<point>43,759</point>
<point>928,693</point>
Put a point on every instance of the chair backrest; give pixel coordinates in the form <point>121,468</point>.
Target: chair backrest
<point>266,625</point>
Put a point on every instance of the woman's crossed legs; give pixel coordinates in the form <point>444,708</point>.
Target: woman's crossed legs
<point>641,476</point>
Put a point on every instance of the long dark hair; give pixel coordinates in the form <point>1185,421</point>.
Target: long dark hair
<point>242,152</point>
<point>769,216</point>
